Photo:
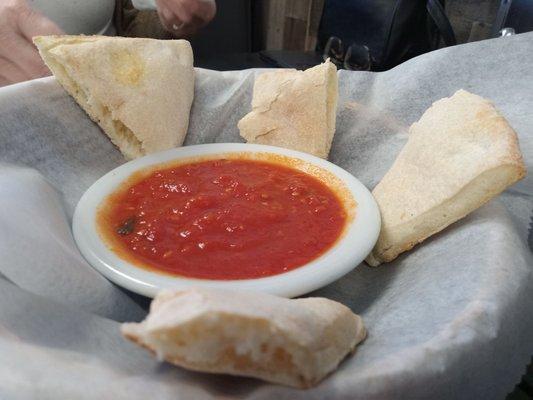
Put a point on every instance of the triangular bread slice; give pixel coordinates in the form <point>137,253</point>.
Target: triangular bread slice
<point>294,109</point>
<point>458,156</point>
<point>139,91</point>
<point>293,342</point>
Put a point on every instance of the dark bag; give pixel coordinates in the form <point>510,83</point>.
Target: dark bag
<point>514,16</point>
<point>380,34</point>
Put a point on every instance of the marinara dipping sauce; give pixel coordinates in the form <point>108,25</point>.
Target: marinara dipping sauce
<point>222,219</point>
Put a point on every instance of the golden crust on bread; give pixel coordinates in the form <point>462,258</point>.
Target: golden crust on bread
<point>292,342</point>
<point>294,109</point>
<point>139,91</point>
<point>459,155</point>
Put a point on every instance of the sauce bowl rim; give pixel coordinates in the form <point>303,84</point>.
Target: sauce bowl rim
<point>357,240</point>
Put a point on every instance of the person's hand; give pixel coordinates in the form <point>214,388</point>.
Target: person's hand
<point>19,59</point>
<point>184,17</point>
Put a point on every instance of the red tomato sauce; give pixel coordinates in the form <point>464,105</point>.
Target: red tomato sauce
<point>222,219</point>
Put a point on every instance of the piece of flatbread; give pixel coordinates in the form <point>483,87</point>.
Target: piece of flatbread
<point>459,155</point>
<point>291,342</point>
<point>294,109</point>
<point>139,91</point>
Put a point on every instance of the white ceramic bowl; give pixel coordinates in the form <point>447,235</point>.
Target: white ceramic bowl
<point>358,238</point>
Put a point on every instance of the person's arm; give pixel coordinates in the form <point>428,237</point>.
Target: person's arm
<point>19,59</point>
<point>180,17</point>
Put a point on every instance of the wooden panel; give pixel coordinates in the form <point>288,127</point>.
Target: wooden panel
<point>296,24</point>
<point>298,9</point>
<point>274,25</point>
<point>291,24</point>
<point>315,14</point>
<point>294,36</point>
